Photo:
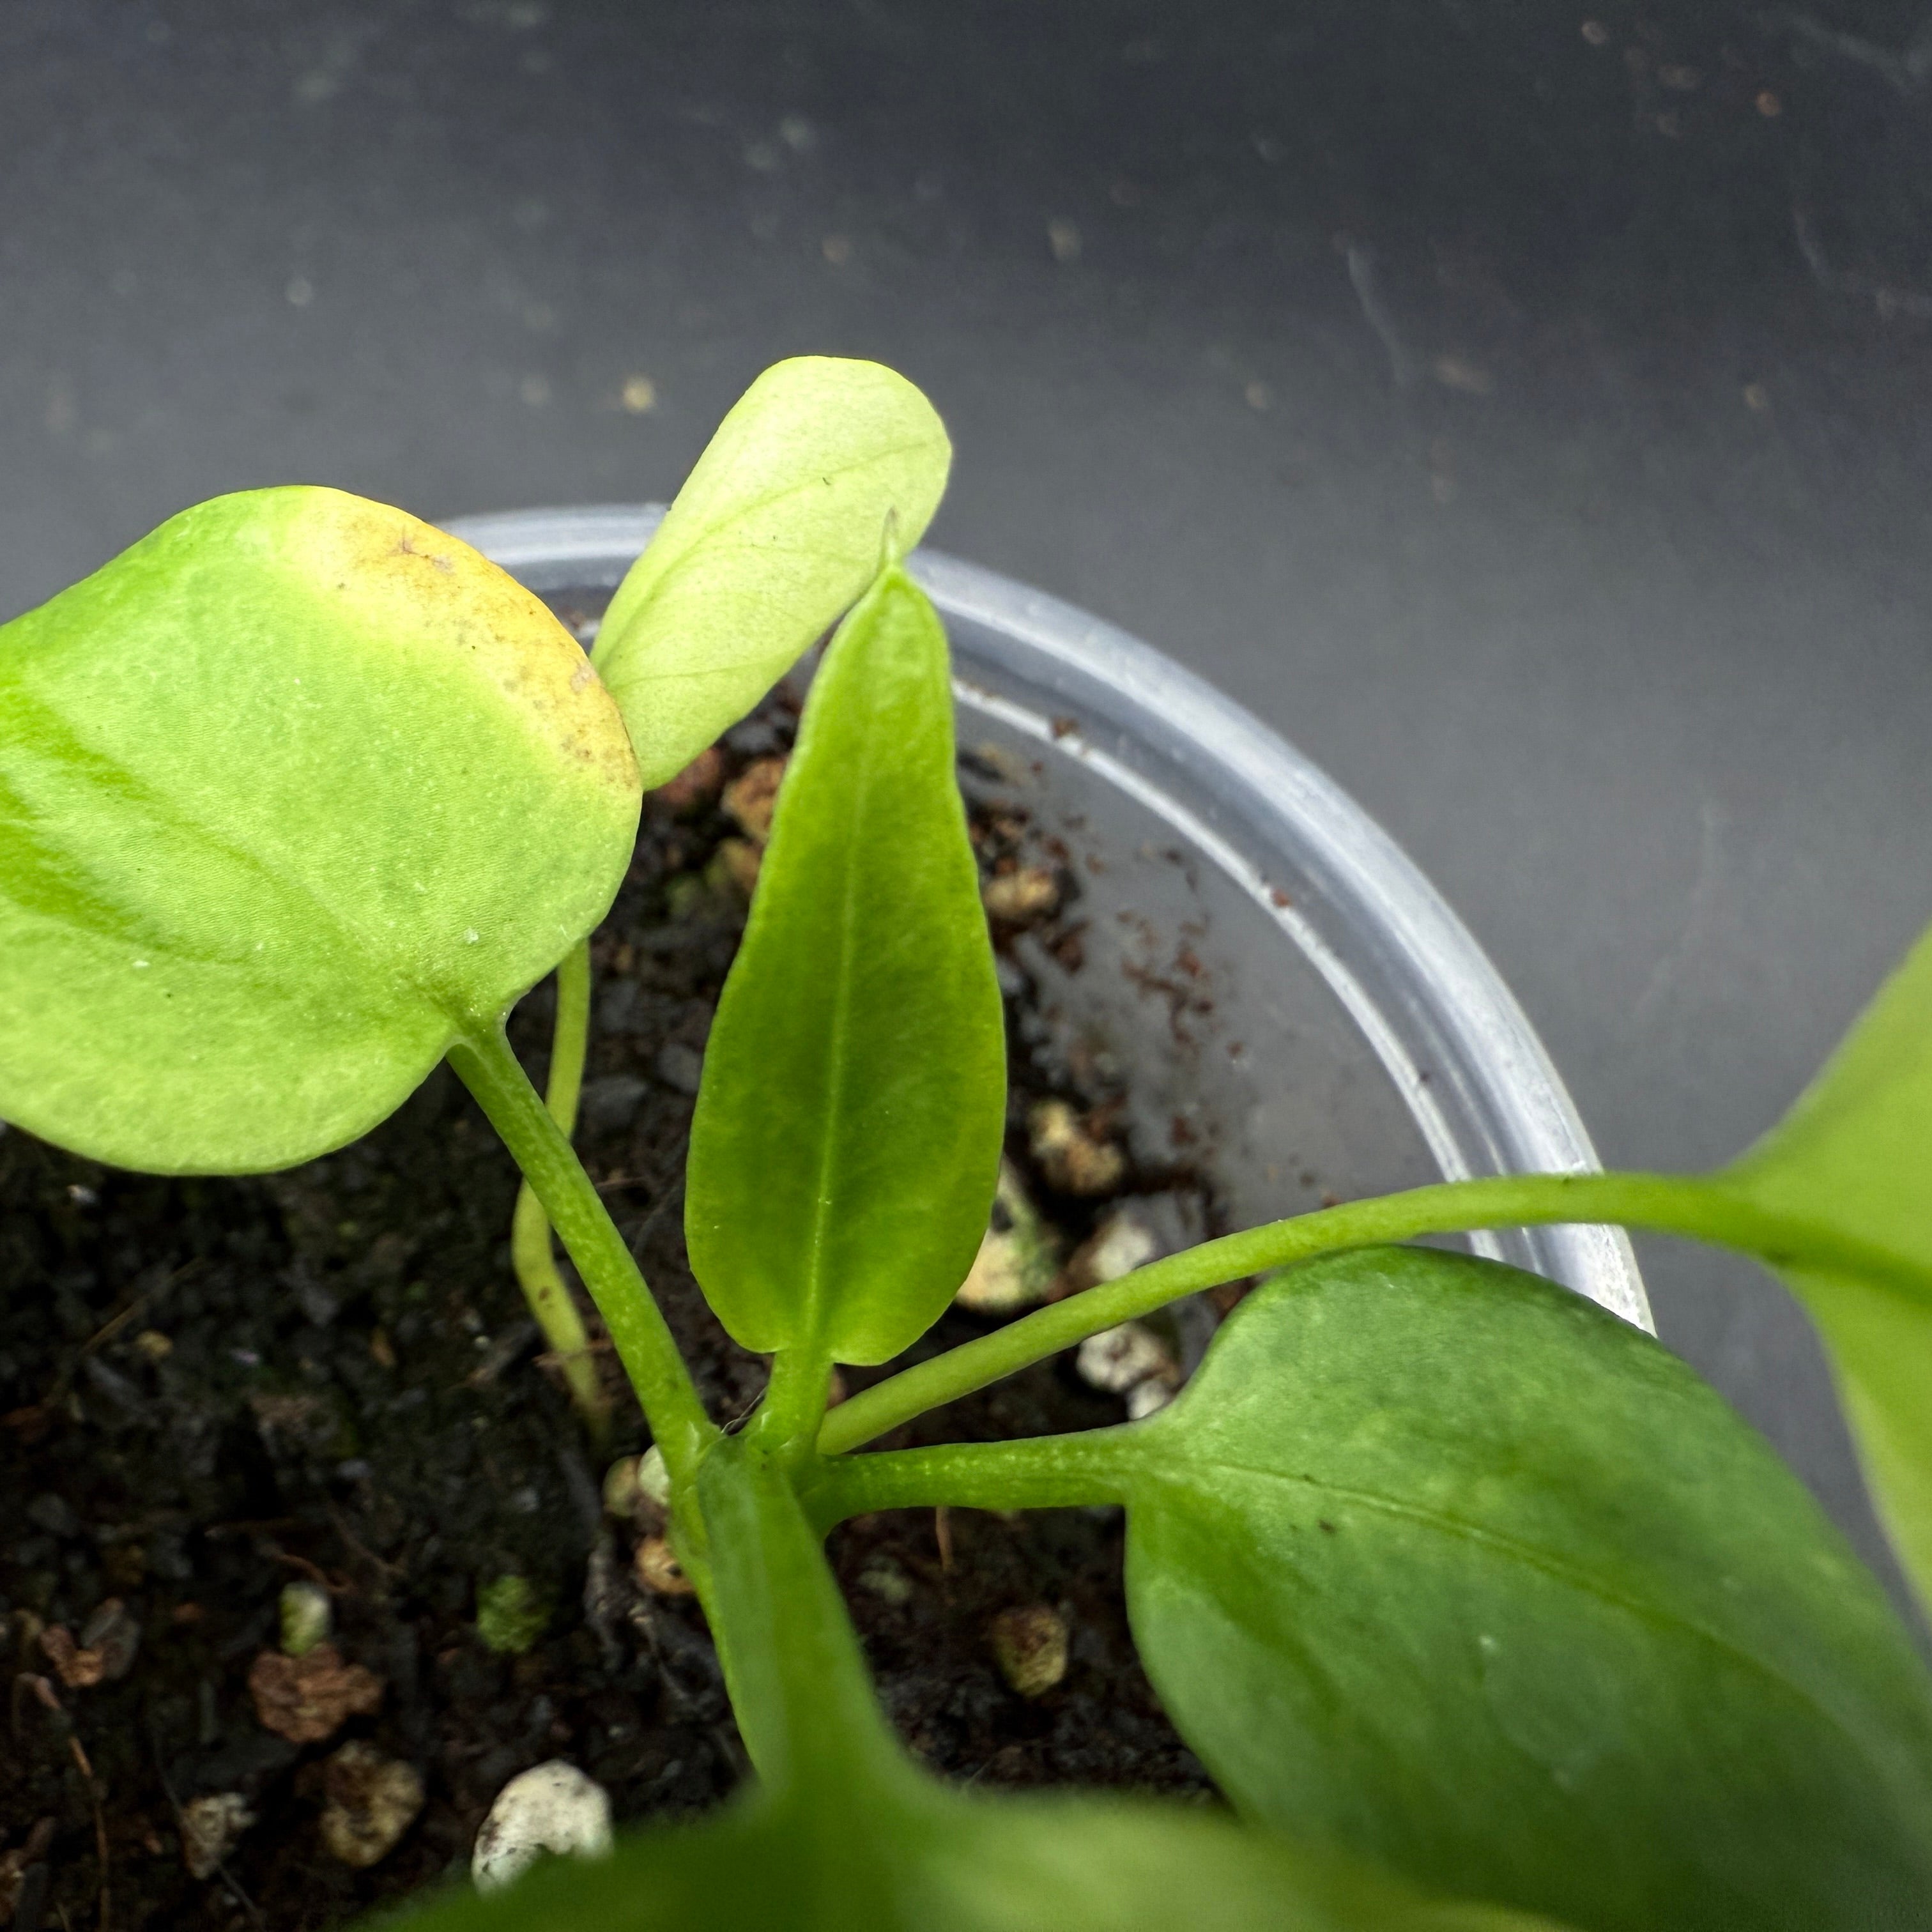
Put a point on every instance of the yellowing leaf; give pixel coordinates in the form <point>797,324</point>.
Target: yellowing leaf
<point>290,793</point>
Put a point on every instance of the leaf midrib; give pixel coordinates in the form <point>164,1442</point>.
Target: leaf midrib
<point>832,1139</point>
<point>706,534</point>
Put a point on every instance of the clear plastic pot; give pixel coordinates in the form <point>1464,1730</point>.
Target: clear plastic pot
<point>1288,1004</point>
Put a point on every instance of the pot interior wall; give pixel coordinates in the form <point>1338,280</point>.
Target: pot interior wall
<point>1231,1053</point>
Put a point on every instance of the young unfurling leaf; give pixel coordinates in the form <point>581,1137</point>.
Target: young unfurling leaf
<point>290,793</point>
<point>848,1134</point>
<point>775,533</point>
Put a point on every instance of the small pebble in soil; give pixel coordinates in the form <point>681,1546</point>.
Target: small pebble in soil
<point>751,797</point>
<point>1030,1646</point>
<point>680,1067</point>
<point>1018,1258</point>
<point>626,1500</point>
<point>1018,897</point>
<point>307,1698</point>
<point>735,865</point>
<point>1119,1361</point>
<point>1074,1161</point>
<point>110,1640</point>
<point>211,1827</point>
<point>54,1514</point>
<point>657,1568</point>
<point>1122,1243</point>
<point>551,1808</point>
<point>886,1581</point>
<point>612,1102</point>
<point>370,1801</point>
<point>654,1476</point>
<point>307,1618</point>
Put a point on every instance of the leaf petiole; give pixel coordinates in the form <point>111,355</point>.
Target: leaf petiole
<point>530,1251</point>
<point>1702,1210</point>
<point>1034,1472</point>
<point>794,1402</point>
<point>486,1065</point>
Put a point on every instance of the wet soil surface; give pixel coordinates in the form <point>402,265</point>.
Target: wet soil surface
<point>211,1388</point>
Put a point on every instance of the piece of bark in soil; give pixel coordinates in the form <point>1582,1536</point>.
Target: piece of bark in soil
<point>105,1654</point>
<point>309,1698</point>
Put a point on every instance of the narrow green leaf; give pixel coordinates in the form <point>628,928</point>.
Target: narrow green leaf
<point>1853,1158</point>
<point>1441,1563</point>
<point>289,792</point>
<point>847,1139</point>
<point>775,534</point>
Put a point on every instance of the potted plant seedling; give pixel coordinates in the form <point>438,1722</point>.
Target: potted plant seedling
<point>1481,1608</point>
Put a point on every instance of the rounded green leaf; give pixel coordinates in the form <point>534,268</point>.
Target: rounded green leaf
<point>847,1139</point>
<point>290,793</point>
<point>1441,1563</point>
<point>775,533</point>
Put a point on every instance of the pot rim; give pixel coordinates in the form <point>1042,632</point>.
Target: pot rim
<point>1447,1031</point>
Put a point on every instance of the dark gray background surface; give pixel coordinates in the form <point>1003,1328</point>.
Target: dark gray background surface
<point>1523,406</point>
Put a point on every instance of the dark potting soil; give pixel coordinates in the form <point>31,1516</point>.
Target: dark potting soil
<point>209,1389</point>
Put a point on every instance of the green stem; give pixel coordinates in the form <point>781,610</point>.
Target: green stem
<point>486,1065</point>
<point>793,1405</point>
<point>1703,1209</point>
<point>805,1702</point>
<point>530,1251</point>
<point>1040,1472</point>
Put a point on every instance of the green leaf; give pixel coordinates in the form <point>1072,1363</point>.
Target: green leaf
<point>847,1138</point>
<point>845,1832</point>
<point>1439,1563</point>
<point>955,1864</point>
<point>1853,1159</point>
<point>290,793</point>
<point>775,533</point>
